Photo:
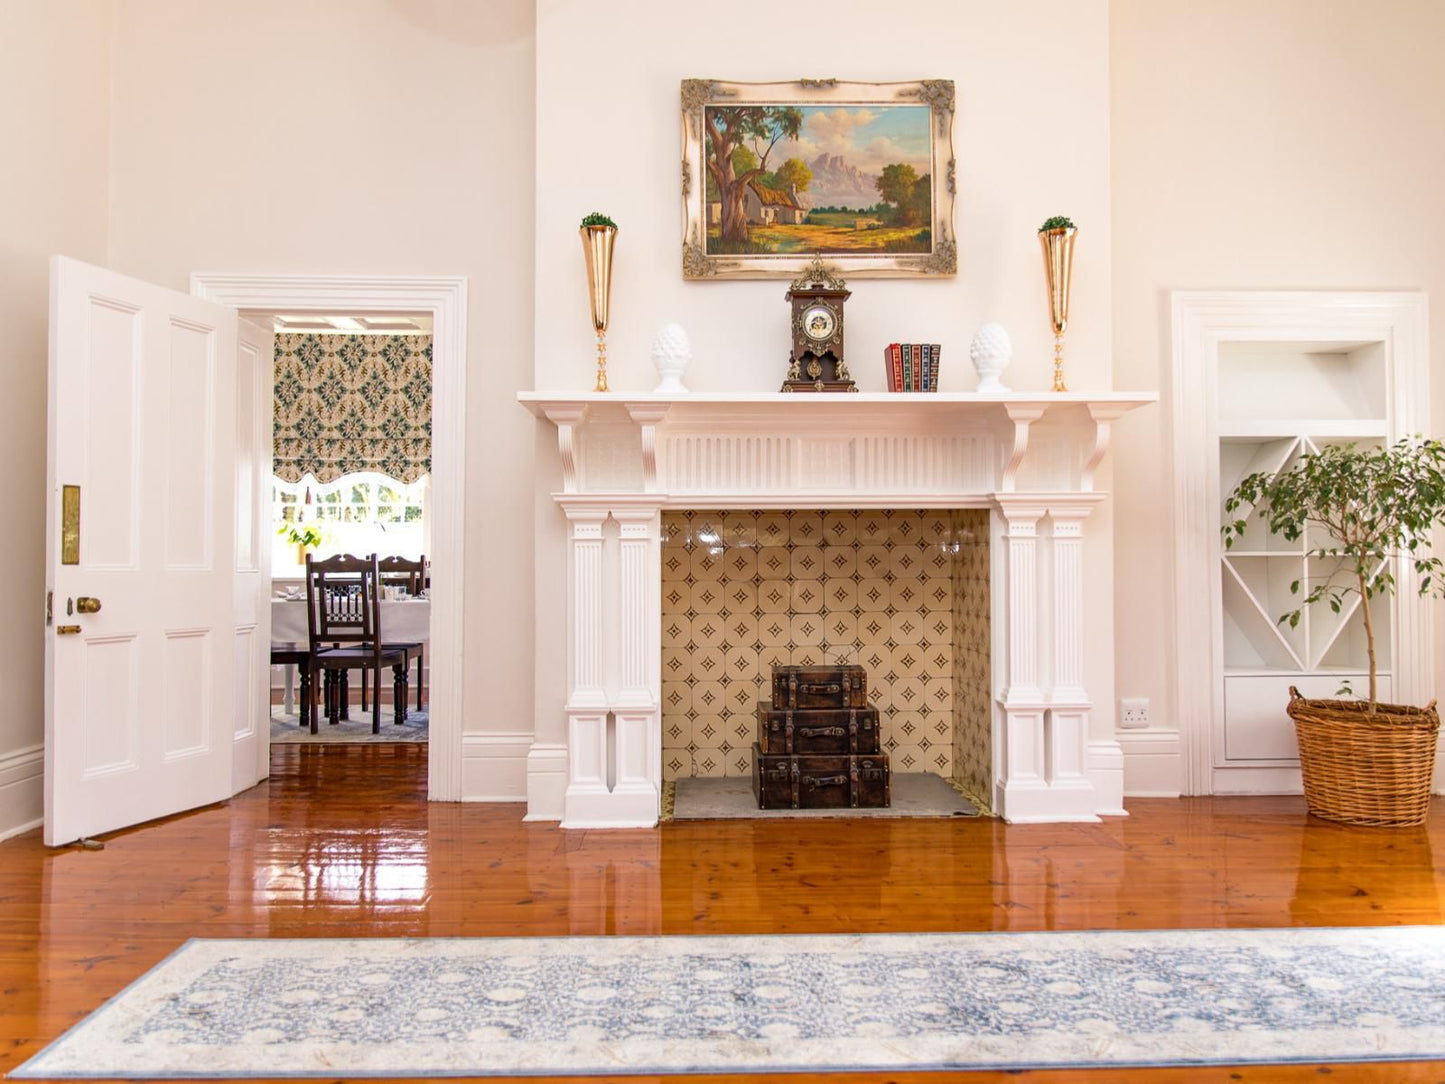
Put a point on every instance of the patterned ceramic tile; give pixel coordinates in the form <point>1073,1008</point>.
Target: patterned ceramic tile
<point>744,591</point>
<point>972,670</point>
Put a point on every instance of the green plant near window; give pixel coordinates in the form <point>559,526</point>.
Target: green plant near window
<point>306,535</point>
<point>597,218</point>
<point>1058,222</point>
<point>1373,504</point>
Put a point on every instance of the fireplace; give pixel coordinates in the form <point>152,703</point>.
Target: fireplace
<point>902,592</point>
<point>709,534</point>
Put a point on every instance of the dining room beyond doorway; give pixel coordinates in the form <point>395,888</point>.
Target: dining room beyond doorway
<point>351,583</point>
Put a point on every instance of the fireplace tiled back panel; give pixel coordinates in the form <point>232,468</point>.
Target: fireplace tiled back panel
<point>972,657</point>
<point>744,590</point>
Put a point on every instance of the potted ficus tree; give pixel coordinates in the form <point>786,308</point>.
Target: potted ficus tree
<point>1370,508</point>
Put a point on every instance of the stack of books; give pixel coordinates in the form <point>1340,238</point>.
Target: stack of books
<point>911,366</point>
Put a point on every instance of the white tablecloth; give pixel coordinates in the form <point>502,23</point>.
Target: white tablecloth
<point>407,621</point>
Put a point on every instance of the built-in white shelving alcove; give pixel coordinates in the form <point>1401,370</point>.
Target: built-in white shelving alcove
<point>1261,380</point>
<point>1016,472</point>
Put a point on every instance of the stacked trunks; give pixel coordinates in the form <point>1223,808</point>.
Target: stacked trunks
<point>818,742</point>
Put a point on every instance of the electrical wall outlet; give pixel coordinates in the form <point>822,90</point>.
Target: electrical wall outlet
<point>1134,712</point>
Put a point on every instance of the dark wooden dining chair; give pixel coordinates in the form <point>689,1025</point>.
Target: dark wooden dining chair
<point>415,577</point>
<point>343,613</point>
<point>290,653</point>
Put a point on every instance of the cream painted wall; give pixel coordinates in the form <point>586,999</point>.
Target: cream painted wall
<point>1287,144</point>
<point>55,61</point>
<point>1302,140</point>
<point>1032,141</point>
<point>219,110</point>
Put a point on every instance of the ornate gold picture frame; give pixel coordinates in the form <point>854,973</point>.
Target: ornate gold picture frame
<point>861,174</point>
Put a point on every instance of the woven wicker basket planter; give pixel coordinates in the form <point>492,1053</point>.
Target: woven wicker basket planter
<point>1363,768</point>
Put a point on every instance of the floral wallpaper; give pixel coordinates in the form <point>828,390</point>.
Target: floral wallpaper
<point>349,403</point>
<point>744,590</point>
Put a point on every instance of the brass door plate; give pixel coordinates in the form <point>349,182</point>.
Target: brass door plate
<point>70,525</point>
<point>67,630</point>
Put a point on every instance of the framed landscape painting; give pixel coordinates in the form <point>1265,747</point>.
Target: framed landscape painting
<point>774,174</point>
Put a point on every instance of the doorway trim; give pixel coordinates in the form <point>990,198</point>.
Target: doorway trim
<point>1201,321</point>
<point>444,298</point>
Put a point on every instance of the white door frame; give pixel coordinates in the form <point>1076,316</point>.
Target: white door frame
<point>444,298</point>
<point>1202,319</point>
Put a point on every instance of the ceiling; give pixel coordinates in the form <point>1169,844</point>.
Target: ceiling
<point>317,324</point>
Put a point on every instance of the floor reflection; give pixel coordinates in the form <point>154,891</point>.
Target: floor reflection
<point>342,842</point>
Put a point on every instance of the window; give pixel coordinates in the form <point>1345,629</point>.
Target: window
<point>358,513</point>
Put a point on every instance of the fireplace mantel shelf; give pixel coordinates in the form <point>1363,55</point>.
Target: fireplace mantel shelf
<point>934,445</point>
<point>547,404</point>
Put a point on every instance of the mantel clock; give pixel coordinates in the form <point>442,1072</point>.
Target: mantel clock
<point>816,360</point>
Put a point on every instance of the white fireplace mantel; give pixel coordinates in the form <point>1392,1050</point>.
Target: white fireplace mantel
<point>1031,459</point>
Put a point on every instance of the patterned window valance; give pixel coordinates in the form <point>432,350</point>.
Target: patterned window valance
<point>349,403</point>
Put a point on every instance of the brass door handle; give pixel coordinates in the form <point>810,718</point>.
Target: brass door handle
<point>87,605</point>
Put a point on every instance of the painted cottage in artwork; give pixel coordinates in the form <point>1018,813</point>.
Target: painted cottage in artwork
<point>766,206</point>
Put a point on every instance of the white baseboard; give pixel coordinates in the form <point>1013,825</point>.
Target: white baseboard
<point>1153,763</point>
<point>22,787</point>
<point>1106,772</point>
<point>546,782</point>
<point>1258,780</point>
<point>494,766</point>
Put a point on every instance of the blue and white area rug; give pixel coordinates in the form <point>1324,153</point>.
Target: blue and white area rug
<point>287,730</point>
<point>618,1005</point>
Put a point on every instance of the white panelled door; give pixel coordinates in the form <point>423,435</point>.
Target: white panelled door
<point>140,718</point>
<point>251,701</point>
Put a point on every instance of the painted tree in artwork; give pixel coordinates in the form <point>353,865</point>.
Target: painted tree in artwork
<point>758,127</point>
<point>794,173</point>
<point>897,185</point>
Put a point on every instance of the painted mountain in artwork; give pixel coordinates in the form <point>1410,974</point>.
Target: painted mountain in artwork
<point>839,183</point>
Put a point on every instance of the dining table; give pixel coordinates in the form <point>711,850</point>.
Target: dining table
<point>406,620</point>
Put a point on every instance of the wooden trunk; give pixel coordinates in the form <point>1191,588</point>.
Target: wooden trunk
<point>820,782</point>
<point>819,687</point>
<point>822,730</point>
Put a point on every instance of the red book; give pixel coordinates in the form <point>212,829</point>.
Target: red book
<point>897,354</point>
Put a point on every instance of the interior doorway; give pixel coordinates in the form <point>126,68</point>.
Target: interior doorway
<point>434,305</point>
<point>350,473</point>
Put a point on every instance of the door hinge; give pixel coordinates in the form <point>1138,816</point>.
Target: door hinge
<point>49,607</point>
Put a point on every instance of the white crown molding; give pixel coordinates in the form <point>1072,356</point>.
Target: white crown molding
<point>444,297</point>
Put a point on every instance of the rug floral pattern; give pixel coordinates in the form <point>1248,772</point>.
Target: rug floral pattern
<point>887,1002</point>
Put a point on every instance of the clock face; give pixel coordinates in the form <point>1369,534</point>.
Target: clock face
<point>819,323</point>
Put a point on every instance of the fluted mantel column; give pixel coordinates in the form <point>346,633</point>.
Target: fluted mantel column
<point>637,704</point>
<point>586,696</point>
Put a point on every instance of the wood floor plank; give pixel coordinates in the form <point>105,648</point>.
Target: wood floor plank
<point>341,843</point>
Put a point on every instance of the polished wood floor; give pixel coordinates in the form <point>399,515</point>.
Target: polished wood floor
<point>341,842</point>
